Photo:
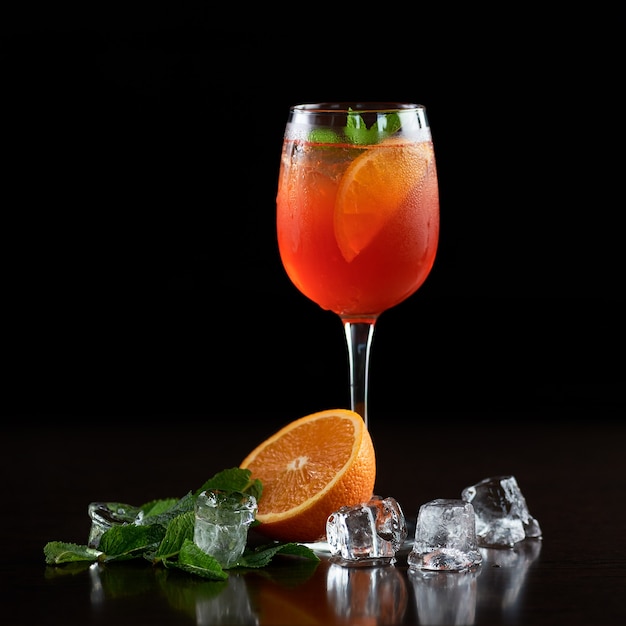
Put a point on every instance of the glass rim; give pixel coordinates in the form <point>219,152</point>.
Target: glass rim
<point>360,106</point>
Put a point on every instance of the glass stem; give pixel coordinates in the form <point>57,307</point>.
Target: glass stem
<point>359,337</point>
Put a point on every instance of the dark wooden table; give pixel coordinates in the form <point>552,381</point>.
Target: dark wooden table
<point>570,467</point>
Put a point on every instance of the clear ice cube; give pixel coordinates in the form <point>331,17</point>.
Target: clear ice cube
<point>105,515</point>
<point>445,537</point>
<point>221,524</point>
<point>369,533</point>
<point>502,516</point>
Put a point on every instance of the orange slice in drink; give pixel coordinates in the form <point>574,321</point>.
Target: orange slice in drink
<point>375,186</point>
<point>310,468</point>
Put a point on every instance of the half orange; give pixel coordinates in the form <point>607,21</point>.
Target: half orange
<point>310,468</point>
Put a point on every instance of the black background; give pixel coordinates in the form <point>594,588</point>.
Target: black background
<point>141,275</point>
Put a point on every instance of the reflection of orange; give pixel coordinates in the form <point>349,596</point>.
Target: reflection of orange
<point>309,469</point>
<point>277,610</point>
<point>373,188</point>
<point>277,604</point>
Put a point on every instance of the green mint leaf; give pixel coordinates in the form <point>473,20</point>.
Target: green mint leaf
<point>358,133</point>
<point>323,135</point>
<point>57,552</point>
<point>194,561</point>
<point>179,530</point>
<point>166,511</point>
<point>162,531</point>
<point>392,123</point>
<point>356,130</point>
<point>262,555</point>
<point>128,542</point>
<point>157,507</point>
<point>297,549</point>
<point>234,479</point>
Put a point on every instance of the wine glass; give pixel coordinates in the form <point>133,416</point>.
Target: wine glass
<point>357,214</point>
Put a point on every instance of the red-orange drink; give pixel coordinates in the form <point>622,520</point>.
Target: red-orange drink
<point>358,224</point>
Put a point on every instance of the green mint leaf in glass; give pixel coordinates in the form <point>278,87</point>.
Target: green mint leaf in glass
<point>323,135</point>
<point>357,132</point>
<point>57,552</point>
<point>391,124</point>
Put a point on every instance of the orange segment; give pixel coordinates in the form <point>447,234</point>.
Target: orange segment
<point>310,468</point>
<point>373,188</point>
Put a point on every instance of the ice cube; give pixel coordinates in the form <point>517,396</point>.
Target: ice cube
<point>105,515</point>
<point>502,516</point>
<point>221,524</point>
<point>369,533</point>
<point>445,537</point>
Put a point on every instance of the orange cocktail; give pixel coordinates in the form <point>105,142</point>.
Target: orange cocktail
<point>357,214</point>
<point>358,224</point>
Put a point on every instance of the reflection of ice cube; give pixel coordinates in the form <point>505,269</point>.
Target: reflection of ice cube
<point>445,537</point>
<point>502,516</point>
<point>445,597</point>
<point>371,595</point>
<point>230,606</point>
<point>505,573</point>
<point>367,533</point>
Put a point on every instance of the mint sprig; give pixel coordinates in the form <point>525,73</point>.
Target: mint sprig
<point>57,552</point>
<point>358,132</point>
<point>234,479</point>
<point>162,533</point>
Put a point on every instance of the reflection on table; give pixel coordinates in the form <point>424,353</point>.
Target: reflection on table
<point>372,595</point>
<point>457,597</point>
<point>309,592</point>
<point>503,576</point>
<point>445,597</point>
